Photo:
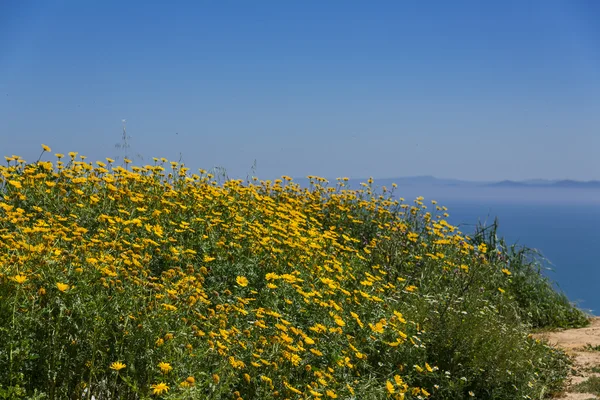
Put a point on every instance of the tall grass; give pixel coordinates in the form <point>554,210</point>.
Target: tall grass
<point>540,303</point>
<point>152,282</point>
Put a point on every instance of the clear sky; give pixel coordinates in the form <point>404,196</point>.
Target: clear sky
<point>479,90</point>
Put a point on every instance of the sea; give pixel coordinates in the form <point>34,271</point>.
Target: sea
<point>562,223</point>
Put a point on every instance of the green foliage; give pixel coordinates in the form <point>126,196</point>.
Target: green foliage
<point>590,347</point>
<point>142,283</point>
<point>477,329</point>
<point>590,385</point>
<point>539,303</point>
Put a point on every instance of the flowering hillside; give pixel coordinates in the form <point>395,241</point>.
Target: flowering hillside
<point>153,282</point>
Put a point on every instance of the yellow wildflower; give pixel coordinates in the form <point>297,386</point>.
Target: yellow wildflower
<point>398,380</point>
<point>291,388</point>
<point>242,281</point>
<point>117,366</point>
<point>63,287</point>
<point>20,279</point>
<point>165,367</point>
<point>159,388</point>
<point>390,387</point>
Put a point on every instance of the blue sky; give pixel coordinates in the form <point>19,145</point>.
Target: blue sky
<point>477,90</point>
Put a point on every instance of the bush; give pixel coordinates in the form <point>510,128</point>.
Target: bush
<point>136,282</point>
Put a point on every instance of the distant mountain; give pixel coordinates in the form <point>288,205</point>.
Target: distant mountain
<point>428,180</point>
<point>567,183</point>
<point>419,180</point>
<point>510,184</point>
<point>577,184</point>
<point>539,182</point>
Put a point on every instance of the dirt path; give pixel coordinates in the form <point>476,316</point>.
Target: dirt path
<point>577,342</point>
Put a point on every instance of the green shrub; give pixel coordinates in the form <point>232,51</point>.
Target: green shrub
<point>141,283</point>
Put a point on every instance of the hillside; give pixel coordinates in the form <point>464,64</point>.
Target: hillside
<point>151,281</point>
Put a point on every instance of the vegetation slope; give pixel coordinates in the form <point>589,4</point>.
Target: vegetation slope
<point>152,282</point>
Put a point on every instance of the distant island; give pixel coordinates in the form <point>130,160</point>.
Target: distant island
<point>567,183</point>
<point>428,180</point>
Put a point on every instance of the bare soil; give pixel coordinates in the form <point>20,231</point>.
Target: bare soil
<point>578,343</point>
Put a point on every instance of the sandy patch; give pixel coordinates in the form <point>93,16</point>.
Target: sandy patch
<point>576,342</point>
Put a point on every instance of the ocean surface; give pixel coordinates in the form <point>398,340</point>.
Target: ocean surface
<point>564,224</point>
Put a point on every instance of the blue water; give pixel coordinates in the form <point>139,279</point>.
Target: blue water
<point>561,223</point>
<point>567,236</point>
